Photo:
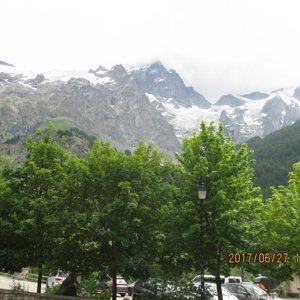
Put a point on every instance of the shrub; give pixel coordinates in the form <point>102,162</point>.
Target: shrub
<point>88,288</point>
<point>54,290</point>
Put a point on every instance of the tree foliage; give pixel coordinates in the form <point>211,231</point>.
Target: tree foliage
<point>280,230</point>
<point>125,195</point>
<point>229,207</point>
<point>35,191</point>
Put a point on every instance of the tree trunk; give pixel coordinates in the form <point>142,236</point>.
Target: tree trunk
<point>219,287</point>
<point>39,283</point>
<point>218,276</point>
<point>114,286</point>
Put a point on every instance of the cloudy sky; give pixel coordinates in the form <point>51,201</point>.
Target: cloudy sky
<point>217,46</point>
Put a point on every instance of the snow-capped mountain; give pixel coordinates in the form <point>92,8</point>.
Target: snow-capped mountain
<point>259,116</point>
<point>243,116</point>
<point>180,105</point>
<point>105,103</point>
<point>125,106</point>
<point>166,85</point>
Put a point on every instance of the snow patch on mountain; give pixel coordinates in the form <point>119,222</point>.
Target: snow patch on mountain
<point>242,121</point>
<point>23,75</point>
<point>184,119</point>
<point>151,98</point>
<point>67,75</point>
<point>18,72</point>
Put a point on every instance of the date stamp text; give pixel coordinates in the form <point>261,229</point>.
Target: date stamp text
<point>258,257</point>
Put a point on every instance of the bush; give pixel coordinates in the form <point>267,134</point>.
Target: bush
<point>54,290</point>
<point>88,288</point>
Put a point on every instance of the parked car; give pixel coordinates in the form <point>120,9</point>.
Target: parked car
<point>212,279</point>
<point>212,288</point>
<point>233,279</point>
<point>58,278</point>
<point>247,291</point>
<point>208,278</point>
<point>131,287</point>
<point>154,289</point>
<point>106,283</point>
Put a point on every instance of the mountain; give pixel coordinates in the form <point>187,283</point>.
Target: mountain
<point>261,116</point>
<point>167,85</point>
<point>105,103</point>
<point>243,116</point>
<point>126,105</point>
<point>230,100</point>
<point>275,155</point>
<point>256,96</point>
<point>77,142</point>
<point>180,105</point>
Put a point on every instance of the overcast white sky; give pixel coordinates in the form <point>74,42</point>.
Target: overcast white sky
<point>217,46</point>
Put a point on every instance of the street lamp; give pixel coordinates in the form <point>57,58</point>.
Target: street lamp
<point>201,198</point>
<point>202,191</point>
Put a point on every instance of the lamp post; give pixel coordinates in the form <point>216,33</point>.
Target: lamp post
<point>201,198</point>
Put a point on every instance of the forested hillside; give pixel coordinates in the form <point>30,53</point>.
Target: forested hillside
<point>74,140</point>
<point>275,156</point>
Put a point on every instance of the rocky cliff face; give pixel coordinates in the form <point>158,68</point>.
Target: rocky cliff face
<point>278,114</point>
<point>168,94</point>
<point>167,85</point>
<point>107,104</point>
<point>230,100</point>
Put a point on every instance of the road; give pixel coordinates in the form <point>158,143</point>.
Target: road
<point>8,283</point>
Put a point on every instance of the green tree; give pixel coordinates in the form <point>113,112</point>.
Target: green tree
<point>5,163</point>
<point>73,245</point>
<point>124,192</point>
<point>36,188</point>
<point>12,254</point>
<point>280,230</point>
<point>228,210</point>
